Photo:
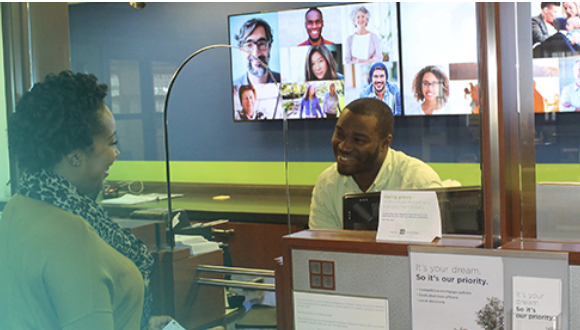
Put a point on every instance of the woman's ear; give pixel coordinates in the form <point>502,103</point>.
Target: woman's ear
<point>74,158</point>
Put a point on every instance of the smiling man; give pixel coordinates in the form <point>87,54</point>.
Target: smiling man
<point>314,23</point>
<point>255,37</point>
<point>380,88</point>
<point>364,162</point>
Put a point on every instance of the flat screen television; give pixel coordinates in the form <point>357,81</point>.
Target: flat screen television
<point>460,207</point>
<point>411,54</point>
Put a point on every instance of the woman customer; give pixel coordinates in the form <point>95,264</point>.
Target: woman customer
<point>320,64</point>
<point>431,87</point>
<point>310,105</point>
<point>65,263</point>
<point>363,46</point>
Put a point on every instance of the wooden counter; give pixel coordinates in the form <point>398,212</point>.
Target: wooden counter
<point>571,247</point>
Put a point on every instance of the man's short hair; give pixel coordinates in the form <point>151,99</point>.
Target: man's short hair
<point>249,27</point>
<point>311,9</point>
<point>245,88</point>
<point>378,109</point>
<point>380,66</point>
<point>546,4</point>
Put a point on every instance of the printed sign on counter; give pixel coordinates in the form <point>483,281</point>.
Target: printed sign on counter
<point>409,216</point>
<point>455,291</point>
<point>537,303</point>
<point>313,311</point>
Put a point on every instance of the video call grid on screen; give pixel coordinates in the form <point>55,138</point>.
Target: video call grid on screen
<point>433,42</point>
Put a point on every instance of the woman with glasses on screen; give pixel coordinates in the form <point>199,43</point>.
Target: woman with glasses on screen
<point>431,88</point>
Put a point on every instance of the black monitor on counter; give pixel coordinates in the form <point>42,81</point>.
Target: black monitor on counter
<point>460,207</point>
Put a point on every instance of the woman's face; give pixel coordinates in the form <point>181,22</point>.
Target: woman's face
<point>361,19</point>
<point>311,92</point>
<point>332,89</point>
<point>571,9</point>
<point>94,165</point>
<point>318,65</point>
<point>430,86</point>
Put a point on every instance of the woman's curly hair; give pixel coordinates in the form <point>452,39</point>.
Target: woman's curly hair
<point>55,117</point>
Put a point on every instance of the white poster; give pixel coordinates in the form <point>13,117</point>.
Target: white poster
<point>452,291</point>
<point>537,303</point>
<point>313,311</point>
<point>409,216</point>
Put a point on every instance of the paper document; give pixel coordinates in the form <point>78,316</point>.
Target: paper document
<point>196,244</point>
<point>409,216</point>
<point>173,325</point>
<point>130,199</point>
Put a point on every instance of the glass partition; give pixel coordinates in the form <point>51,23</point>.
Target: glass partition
<point>556,82</point>
<point>447,139</point>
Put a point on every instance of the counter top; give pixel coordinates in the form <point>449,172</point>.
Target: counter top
<point>259,204</point>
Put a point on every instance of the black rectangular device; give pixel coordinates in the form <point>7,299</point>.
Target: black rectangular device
<point>460,207</point>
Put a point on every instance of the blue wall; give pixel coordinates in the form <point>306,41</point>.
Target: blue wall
<point>200,115</point>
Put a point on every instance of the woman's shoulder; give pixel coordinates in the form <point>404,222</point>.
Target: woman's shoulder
<point>38,218</point>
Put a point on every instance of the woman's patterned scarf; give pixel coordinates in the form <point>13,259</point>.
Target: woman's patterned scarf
<point>56,190</point>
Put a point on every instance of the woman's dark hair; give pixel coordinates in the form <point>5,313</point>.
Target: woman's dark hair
<point>55,117</point>
<point>330,63</point>
<point>307,93</point>
<point>443,80</point>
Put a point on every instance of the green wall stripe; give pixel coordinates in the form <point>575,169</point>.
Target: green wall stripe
<point>300,173</point>
<point>267,173</point>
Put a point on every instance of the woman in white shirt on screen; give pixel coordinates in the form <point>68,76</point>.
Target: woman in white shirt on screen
<point>431,87</point>
<point>363,46</point>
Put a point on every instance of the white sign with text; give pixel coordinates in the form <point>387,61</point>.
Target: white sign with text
<point>454,291</point>
<point>409,216</point>
<point>537,303</point>
<point>313,311</point>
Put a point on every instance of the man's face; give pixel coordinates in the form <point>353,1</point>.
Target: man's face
<point>357,145</point>
<point>252,45</point>
<point>379,80</point>
<point>550,12</point>
<point>314,24</point>
<point>248,101</point>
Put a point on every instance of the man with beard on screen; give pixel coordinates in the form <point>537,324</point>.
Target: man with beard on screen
<point>380,88</point>
<point>256,39</point>
<point>364,163</point>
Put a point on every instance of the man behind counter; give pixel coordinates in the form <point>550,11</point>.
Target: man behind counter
<point>364,162</point>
